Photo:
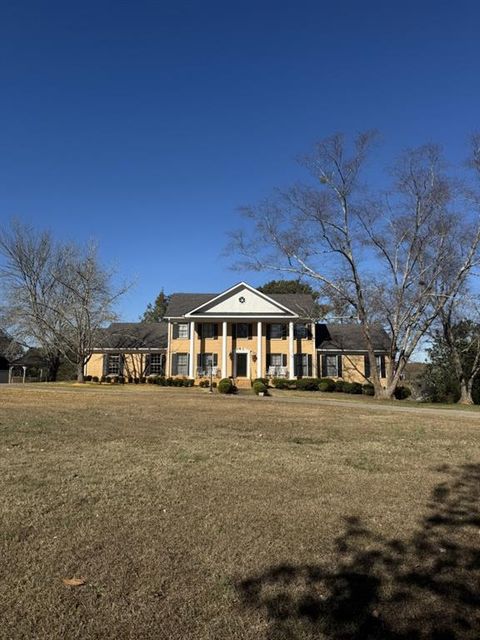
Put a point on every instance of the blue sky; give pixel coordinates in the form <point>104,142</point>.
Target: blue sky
<point>146,124</point>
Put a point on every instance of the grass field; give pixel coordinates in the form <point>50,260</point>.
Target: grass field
<point>195,516</point>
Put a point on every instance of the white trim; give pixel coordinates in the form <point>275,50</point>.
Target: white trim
<point>191,357</point>
<point>314,351</point>
<point>259,349</point>
<point>291,360</point>
<point>237,286</point>
<point>241,352</point>
<point>224,349</point>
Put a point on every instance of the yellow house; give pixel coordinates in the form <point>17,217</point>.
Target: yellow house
<point>244,334</point>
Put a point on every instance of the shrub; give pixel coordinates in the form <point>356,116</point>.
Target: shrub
<point>130,380</point>
<point>352,387</point>
<point>103,379</point>
<point>188,382</point>
<point>368,390</point>
<point>225,386</point>
<point>121,379</point>
<point>151,380</point>
<point>94,378</point>
<point>161,380</point>
<point>169,381</point>
<point>307,384</point>
<point>204,384</point>
<point>283,383</point>
<point>327,384</point>
<point>143,380</point>
<point>114,379</point>
<point>88,378</point>
<point>259,387</point>
<point>262,380</point>
<point>401,393</point>
<point>136,380</point>
<point>340,386</point>
<point>214,385</point>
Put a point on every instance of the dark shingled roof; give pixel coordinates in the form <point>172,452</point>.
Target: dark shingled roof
<point>349,337</point>
<point>181,303</point>
<point>32,358</point>
<point>133,335</point>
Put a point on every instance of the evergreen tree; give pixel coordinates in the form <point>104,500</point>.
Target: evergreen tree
<point>155,312</point>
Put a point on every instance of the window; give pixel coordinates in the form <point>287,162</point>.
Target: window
<point>156,363</point>
<point>276,360</point>
<point>331,366</point>
<point>183,330</point>
<point>301,331</point>
<point>182,364</point>
<point>205,361</point>
<point>278,330</point>
<point>114,365</point>
<point>208,330</point>
<point>380,362</point>
<point>302,365</point>
<point>242,330</point>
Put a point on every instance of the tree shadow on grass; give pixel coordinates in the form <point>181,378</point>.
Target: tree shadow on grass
<point>427,587</point>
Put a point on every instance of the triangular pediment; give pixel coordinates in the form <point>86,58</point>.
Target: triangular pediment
<point>242,300</point>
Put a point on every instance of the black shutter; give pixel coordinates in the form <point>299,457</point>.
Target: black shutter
<point>215,330</point>
<point>105,364</point>
<point>268,360</point>
<point>284,360</point>
<point>175,330</point>
<point>267,331</point>
<point>188,364</point>
<point>249,330</point>
<point>215,359</point>
<point>366,365</point>
<point>309,365</point>
<point>174,364</point>
<point>200,330</point>
<point>284,331</point>
<point>324,366</point>
<point>188,330</point>
<point>382,367</point>
<point>147,364</point>
<point>339,365</point>
<point>297,365</point>
<point>309,331</point>
<point>234,330</point>
<point>199,360</point>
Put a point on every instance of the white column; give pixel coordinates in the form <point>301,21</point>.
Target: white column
<point>224,350</point>
<point>290,350</point>
<point>169,338</point>
<point>259,351</point>
<point>191,359</point>
<point>314,351</point>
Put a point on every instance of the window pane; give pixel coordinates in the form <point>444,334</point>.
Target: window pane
<point>113,365</point>
<point>300,331</point>
<point>156,363</point>
<point>182,364</point>
<point>276,330</point>
<point>183,330</point>
<point>208,330</point>
<point>276,359</point>
<point>242,330</point>
<point>332,366</point>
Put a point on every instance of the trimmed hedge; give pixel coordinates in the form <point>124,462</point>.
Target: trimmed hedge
<point>226,386</point>
<point>259,387</point>
<point>284,383</point>
<point>307,384</point>
<point>264,381</point>
<point>368,390</point>
<point>327,384</point>
<point>402,393</point>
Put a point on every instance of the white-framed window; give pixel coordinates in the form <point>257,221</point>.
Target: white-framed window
<point>302,365</point>
<point>114,364</point>
<point>182,364</point>
<point>183,330</point>
<point>242,329</point>
<point>301,331</point>
<point>276,360</point>
<point>156,364</point>
<point>331,366</point>
<point>277,330</point>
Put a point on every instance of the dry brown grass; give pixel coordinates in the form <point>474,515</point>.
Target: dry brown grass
<point>196,516</point>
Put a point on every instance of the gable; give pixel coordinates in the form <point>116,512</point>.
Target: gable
<point>242,301</point>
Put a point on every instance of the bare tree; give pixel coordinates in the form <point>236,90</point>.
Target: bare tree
<point>380,254</point>
<point>56,295</point>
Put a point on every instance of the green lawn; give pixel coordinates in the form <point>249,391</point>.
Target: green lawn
<point>195,516</point>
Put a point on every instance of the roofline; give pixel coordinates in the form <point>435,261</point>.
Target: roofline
<point>239,284</point>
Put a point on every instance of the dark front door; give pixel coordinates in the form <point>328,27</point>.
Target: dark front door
<point>241,365</point>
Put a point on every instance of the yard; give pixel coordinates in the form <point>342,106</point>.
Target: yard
<point>190,516</point>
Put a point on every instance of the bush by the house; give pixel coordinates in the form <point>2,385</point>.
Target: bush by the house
<point>103,379</point>
<point>88,378</point>
<point>114,379</point>
<point>94,378</point>
<point>151,380</point>
<point>259,387</point>
<point>205,384</point>
<point>262,380</point>
<point>327,384</point>
<point>121,379</point>
<point>352,387</point>
<point>143,380</point>
<point>368,390</point>
<point>225,386</point>
<point>284,383</point>
<point>340,386</point>
<point>307,384</point>
<point>402,393</point>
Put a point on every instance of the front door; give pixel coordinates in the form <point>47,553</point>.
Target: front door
<point>241,365</point>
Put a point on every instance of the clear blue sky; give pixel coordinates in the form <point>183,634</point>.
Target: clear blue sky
<point>146,124</point>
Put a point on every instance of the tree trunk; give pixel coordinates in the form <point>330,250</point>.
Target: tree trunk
<point>53,368</point>
<point>80,376</point>
<point>465,393</point>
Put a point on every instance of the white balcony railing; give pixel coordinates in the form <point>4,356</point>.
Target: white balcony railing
<point>277,372</point>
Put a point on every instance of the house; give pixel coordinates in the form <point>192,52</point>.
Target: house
<point>130,349</point>
<point>245,334</point>
<point>239,333</point>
